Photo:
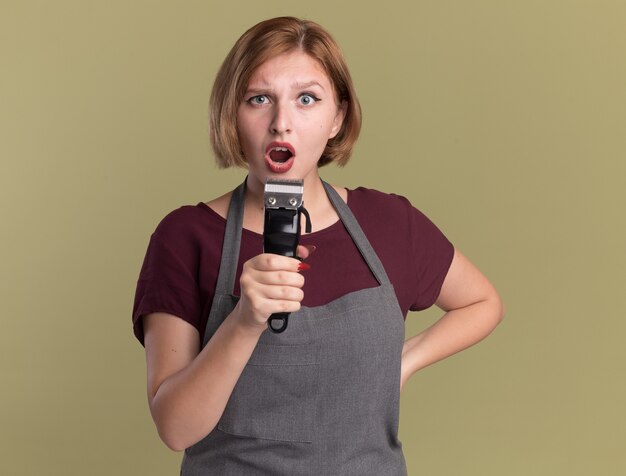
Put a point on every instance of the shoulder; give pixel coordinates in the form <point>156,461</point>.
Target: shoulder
<point>374,195</point>
<point>369,201</point>
<point>374,208</point>
<point>187,225</point>
<point>178,220</point>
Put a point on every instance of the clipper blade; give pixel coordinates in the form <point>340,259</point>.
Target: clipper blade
<point>283,193</point>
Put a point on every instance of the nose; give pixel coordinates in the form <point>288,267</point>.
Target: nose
<point>281,121</point>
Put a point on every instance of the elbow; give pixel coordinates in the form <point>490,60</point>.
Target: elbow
<point>164,424</point>
<point>173,446</point>
<point>172,442</point>
<point>178,436</point>
<point>177,441</point>
<point>179,427</point>
<point>492,311</point>
<point>498,307</point>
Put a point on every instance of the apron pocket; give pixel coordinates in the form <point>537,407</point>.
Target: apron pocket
<point>274,397</point>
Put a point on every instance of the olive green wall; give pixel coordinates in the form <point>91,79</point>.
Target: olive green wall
<point>503,121</point>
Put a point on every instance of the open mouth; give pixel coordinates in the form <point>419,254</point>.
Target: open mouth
<point>280,154</point>
<point>279,157</point>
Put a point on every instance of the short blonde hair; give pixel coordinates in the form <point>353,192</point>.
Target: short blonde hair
<point>263,41</point>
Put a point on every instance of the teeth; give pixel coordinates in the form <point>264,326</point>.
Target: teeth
<point>280,149</point>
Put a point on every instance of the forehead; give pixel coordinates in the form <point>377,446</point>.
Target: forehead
<point>296,67</point>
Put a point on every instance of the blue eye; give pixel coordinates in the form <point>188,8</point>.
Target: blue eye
<point>306,99</point>
<point>258,100</point>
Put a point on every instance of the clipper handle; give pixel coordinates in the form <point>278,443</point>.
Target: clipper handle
<point>280,236</point>
<point>281,231</point>
<point>277,323</point>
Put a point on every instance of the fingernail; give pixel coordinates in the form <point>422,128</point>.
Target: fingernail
<point>303,266</point>
<point>311,248</point>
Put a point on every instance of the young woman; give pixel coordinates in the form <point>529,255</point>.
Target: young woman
<point>321,398</point>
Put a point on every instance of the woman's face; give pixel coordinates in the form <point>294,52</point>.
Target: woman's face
<point>288,114</point>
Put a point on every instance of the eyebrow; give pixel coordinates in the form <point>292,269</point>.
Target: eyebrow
<point>307,85</point>
<point>262,87</point>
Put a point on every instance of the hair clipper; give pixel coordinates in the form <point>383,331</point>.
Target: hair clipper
<point>284,205</point>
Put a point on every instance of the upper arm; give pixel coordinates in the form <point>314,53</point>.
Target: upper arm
<point>171,345</point>
<point>464,285</point>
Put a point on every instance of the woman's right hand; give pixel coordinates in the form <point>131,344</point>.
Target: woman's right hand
<point>189,386</point>
<point>270,284</point>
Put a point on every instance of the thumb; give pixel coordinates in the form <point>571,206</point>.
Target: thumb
<point>304,251</point>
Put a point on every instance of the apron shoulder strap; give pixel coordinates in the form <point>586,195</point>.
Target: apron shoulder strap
<point>357,234</point>
<point>232,242</point>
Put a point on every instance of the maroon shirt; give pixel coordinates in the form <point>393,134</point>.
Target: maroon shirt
<point>180,268</point>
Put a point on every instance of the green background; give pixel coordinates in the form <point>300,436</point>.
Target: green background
<point>503,121</point>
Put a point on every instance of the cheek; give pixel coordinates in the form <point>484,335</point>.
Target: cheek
<point>245,131</point>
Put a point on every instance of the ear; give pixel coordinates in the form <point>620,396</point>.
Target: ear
<point>338,120</point>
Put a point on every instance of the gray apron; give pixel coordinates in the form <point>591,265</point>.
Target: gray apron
<point>322,398</point>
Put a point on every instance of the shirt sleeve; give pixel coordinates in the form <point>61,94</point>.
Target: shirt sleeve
<point>167,281</point>
<point>432,257</point>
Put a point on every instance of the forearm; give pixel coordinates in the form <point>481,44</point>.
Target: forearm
<point>456,330</point>
<point>189,403</point>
